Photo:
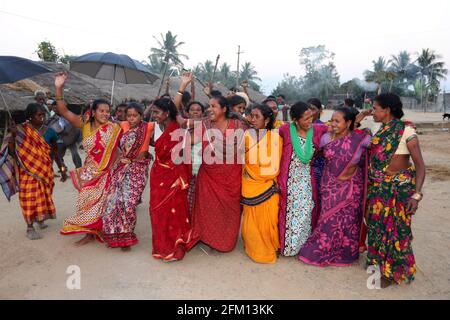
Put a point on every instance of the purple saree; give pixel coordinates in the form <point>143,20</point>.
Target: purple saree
<point>335,241</point>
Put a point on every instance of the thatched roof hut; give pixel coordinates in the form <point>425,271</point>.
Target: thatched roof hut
<point>80,89</point>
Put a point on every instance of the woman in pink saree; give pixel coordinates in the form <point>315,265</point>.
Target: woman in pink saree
<point>335,241</point>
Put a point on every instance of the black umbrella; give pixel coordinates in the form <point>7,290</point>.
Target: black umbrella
<point>114,67</point>
<point>13,69</point>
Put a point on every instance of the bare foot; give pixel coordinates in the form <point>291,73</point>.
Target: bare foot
<point>126,249</point>
<point>32,234</point>
<point>87,238</point>
<point>42,225</point>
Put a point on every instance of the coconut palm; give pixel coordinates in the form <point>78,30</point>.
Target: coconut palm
<point>380,74</point>
<point>226,76</point>
<point>431,72</point>
<point>249,74</point>
<point>405,70</point>
<point>155,64</point>
<point>168,50</point>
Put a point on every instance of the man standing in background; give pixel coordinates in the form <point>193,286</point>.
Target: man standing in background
<point>68,135</point>
<point>281,100</point>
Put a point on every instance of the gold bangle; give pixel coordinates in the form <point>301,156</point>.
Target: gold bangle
<point>59,98</point>
<point>418,196</point>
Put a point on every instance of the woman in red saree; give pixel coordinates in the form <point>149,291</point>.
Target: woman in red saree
<point>216,216</point>
<point>169,184</point>
<point>100,142</point>
<point>128,181</point>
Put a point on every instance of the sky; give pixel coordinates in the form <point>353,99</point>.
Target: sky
<point>270,33</point>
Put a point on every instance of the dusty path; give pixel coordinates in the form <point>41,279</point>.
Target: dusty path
<point>37,270</point>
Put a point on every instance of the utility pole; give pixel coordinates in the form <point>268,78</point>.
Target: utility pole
<point>443,100</point>
<point>238,61</point>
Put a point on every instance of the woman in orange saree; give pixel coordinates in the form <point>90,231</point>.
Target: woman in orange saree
<point>26,164</point>
<point>100,142</point>
<point>259,189</point>
<point>169,184</point>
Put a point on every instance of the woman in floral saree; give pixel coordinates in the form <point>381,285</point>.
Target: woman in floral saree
<point>298,192</point>
<point>169,184</point>
<point>260,194</point>
<point>394,191</point>
<point>100,142</point>
<point>335,241</point>
<point>128,181</point>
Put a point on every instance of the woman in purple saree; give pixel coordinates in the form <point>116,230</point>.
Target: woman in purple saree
<point>335,241</point>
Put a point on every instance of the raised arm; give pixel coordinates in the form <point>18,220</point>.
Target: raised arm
<point>193,88</point>
<point>60,80</point>
<point>186,78</point>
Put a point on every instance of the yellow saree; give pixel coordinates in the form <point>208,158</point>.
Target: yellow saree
<point>260,196</point>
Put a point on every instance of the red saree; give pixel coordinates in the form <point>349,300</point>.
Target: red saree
<point>169,209</point>
<point>216,216</point>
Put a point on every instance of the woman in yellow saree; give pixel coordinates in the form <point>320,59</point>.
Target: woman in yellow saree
<point>259,190</point>
<point>100,142</point>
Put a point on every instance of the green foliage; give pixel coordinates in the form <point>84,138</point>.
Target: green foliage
<point>224,75</point>
<point>47,52</point>
<point>321,79</point>
<point>168,50</point>
<point>291,88</point>
<point>66,59</point>
<point>249,74</point>
<point>431,72</point>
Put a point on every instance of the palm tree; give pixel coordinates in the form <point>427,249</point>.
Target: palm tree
<point>168,50</point>
<point>155,64</point>
<point>405,70</point>
<point>197,71</point>
<point>249,74</point>
<point>226,76</point>
<point>379,75</point>
<point>431,72</point>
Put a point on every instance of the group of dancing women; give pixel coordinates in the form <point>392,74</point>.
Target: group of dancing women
<point>320,192</point>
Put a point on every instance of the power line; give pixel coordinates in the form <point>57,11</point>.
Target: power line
<point>66,26</point>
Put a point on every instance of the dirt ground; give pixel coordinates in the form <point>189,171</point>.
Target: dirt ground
<point>37,269</point>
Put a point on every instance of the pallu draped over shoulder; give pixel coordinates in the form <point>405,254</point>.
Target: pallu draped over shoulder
<point>34,172</point>
<point>389,226</point>
<point>335,240</point>
<point>216,215</point>
<point>169,209</point>
<point>93,179</point>
<point>298,213</point>
<point>260,196</point>
<point>128,181</point>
